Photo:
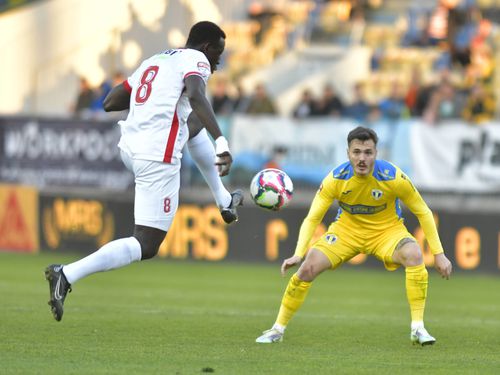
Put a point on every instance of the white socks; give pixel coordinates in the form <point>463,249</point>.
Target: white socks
<point>416,325</point>
<point>203,153</point>
<point>114,254</point>
<point>279,327</point>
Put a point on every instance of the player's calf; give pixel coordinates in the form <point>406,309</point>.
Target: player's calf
<point>150,240</point>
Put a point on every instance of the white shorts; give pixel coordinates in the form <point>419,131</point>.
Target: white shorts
<point>156,191</point>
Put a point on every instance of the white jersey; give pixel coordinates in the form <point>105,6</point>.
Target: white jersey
<point>156,125</point>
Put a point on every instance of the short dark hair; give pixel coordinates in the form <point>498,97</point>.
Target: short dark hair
<point>203,32</point>
<point>363,134</point>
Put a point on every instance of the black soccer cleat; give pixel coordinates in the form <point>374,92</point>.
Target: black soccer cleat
<point>58,287</point>
<point>229,214</point>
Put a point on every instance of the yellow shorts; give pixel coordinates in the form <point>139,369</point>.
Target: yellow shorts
<point>340,245</point>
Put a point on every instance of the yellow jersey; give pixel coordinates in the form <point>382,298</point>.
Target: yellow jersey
<point>368,205</point>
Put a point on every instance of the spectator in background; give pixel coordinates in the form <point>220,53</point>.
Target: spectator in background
<point>425,93</point>
<point>97,106</point>
<point>443,104</point>
<point>438,22</point>
<point>221,102</point>
<point>241,100</point>
<point>329,104</point>
<point>393,107</point>
<point>480,106</point>
<point>359,108</point>
<point>263,14</point>
<point>461,28</point>
<point>416,30</point>
<point>413,91</point>
<point>260,102</point>
<point>118,78</point>
<point>377,58</point>
<point>423,98</point>
<point>374,116</point>
<point>482,60</point>
<point>84,99</point>
<point>305,107</point>
<point>279,153</point>
<point>357,21</point>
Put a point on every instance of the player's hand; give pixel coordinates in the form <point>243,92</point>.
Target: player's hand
<point>223,163</point>
<point>290,262</point>
<point>443,265</point>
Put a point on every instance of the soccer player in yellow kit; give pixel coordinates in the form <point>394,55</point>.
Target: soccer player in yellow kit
<point>369,221</point>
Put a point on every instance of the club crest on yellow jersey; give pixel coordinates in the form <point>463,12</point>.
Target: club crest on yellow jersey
<point>377,194</point>
<point>330,238</point>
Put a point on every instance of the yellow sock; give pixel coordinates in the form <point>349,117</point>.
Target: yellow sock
<point>295,294</point>
<point>416,291</point>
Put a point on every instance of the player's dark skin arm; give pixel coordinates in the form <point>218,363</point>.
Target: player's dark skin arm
<point>118,99</point>
<point>195,91</point>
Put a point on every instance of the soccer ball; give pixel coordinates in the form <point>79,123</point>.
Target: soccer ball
<point>271,189</point>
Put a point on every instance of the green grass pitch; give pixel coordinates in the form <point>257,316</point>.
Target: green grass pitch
<point>166,317</point>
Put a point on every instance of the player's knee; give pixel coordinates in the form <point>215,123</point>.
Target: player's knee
<point>307,272</point>
<point>150,240</point>
<point>149,250</point>
<point>411,256</point>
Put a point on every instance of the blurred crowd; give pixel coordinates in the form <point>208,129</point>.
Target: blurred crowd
<point>224,103</point>
<point>89,100</point>
<point>434,60</point>
<point>434,102</point>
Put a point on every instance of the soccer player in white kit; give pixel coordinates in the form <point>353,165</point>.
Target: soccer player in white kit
<point>160,95</point>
